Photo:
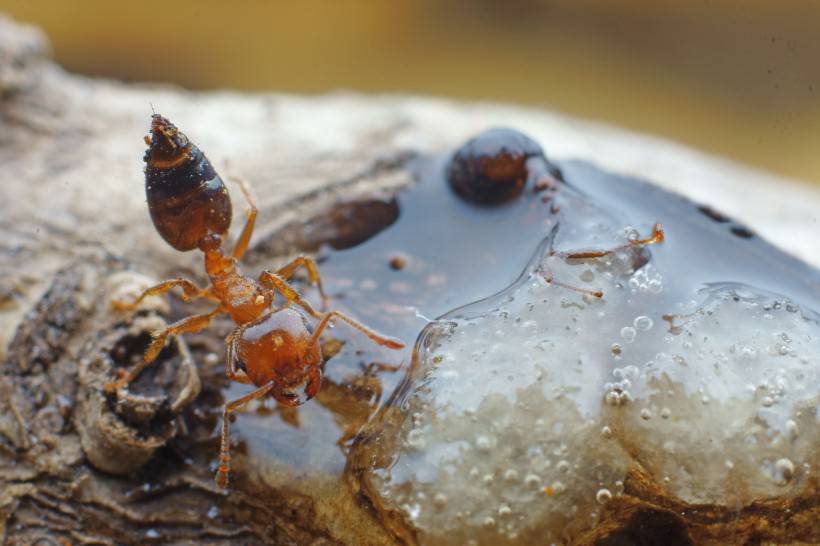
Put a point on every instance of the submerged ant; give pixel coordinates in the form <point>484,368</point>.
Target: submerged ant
<point>273,347</point>
<point>657,237</point>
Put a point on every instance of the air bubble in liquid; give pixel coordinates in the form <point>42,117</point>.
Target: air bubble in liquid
<point>642,323</point>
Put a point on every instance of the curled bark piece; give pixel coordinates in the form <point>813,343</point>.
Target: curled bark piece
<point>120,431</point>
<point>120,438</point>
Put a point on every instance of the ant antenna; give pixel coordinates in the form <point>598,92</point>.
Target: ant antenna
<point>154,112</point>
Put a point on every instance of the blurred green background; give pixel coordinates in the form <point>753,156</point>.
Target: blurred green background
<point>735,77</point>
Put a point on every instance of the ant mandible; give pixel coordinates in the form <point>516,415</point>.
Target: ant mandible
<point>273,347</point>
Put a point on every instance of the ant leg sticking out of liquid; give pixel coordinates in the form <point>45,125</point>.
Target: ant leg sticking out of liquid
<point>273,347</point>
<point>656,238</point>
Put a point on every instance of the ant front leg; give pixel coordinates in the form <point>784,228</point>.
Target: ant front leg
<point>189,291</point>
<point>309,264</point>
<point>657,237</point>
<point>378,339</point>
<point>276,283</point>
<point>191,324</point>
<point>225,447</point>
<point>247,231</point>
<point>548,276</point>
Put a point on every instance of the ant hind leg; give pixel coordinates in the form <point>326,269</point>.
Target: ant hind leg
<point>190,324</point>
<point>189,291</point>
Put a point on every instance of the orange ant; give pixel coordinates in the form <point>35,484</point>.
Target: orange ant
<point>273,347</point>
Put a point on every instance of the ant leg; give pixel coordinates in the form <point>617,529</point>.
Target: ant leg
<point>230,369</point>
<point>547,274</point>
<point>371,369</point>
<point>245,236</point>
<point>189,291</point>
<point>190,324</point>
<point>309,264</point>
<point>275,282</point>
<point>384,341</point>
<point>656,238</point>
<point>225,448</point>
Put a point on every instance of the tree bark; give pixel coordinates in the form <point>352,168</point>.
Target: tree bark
<point>76,233</point>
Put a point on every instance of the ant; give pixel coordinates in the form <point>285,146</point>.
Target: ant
<point>273,347</point>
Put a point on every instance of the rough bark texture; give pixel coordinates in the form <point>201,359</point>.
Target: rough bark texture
<point>74,228</point>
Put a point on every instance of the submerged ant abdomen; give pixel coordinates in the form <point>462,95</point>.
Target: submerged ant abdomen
<point>186,197</point>
<point>495,166</point>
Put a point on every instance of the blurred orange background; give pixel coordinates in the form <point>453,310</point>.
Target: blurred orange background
<point>739,78</point>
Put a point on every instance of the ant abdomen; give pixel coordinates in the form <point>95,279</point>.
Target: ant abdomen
<point>186,197</point>
<point>495,166</point>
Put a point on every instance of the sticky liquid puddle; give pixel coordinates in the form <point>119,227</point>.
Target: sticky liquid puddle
<point>454,253</point>
<point>443,253</point>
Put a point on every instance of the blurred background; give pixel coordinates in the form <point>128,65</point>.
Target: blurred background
<point>739,78</point>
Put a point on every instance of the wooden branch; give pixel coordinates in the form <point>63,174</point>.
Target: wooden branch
<point>75,232</point>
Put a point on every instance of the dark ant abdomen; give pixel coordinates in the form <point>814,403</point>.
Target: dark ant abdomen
<point>495,166</point>
<point>187,199</point>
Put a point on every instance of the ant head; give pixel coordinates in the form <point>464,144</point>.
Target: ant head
<point>167,145</point>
